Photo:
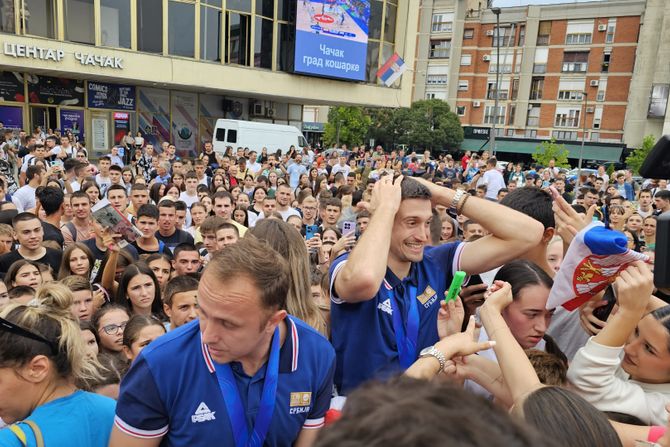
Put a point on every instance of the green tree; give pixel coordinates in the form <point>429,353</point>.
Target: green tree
<point>387,125</point>
<point>432,125</point>
<point>353,125</point>
<point>548,150</point>
<point>637,157</point>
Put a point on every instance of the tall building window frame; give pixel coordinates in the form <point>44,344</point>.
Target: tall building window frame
<point>440,49</point>
<point>51,19</point>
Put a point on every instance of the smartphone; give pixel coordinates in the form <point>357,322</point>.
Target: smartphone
<point>348,227</point>
<point>57,162</point>
<point>310,231</point>
<point>603,312</point>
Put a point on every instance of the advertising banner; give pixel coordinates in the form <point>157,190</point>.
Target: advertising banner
<point>99,131</point>
<point>121,125</point>
<point>72,120</point>
<point>184,122</point>
<point>111,96</point>
<point>11,117</point>
<point>154,115</point>
<point>11,86</point>
<point>56,91</point>
<point>331,38</point>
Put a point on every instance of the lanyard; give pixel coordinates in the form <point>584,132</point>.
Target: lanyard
<point>233,401</point>
<point>406,335</point>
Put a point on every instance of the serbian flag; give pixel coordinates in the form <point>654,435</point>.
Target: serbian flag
<point>593,261</point>
<point>392,69</point>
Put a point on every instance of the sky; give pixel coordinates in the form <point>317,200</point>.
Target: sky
<point>506,3</point>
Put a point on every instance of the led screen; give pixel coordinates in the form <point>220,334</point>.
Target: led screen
<point>332,38</point>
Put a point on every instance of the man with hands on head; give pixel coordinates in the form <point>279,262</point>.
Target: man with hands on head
<point>386,292</point>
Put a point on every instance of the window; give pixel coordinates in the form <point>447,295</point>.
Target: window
<point>468,33</point>
<point>596,123</point>
<point>595,136</point>
<point>389,21</point>
<point>7,17</point>
<point>430,95</point>
<point>515,88</point>
<point>533,118</point>
<point>575,61</point>
<point>607,55</point>
<point>536,87</point>
<point>611,28</point>
<point>115,23</point>
<point>463,86</point>
<point>440,48</point>
<point>658,100</point>
<point>442,23</point>
<point>491,89</point>
<point>578,39</point>
<point>37,17</point>
<point>564,135</point>
<point>181,29</point>
<point>489,111</point>
<point>79,21</point>
<point>567,118</point>
<point>460,110</point>
<point>504,68</point>
<point>232,136</point>
<point>543,33</point>
<point>436,95</point>
<point>540,61</point>
<point>509,132</point>
<point>530,133</point>
<point>511,114</point>
<point>263,43</point>
<point>466,59</point>
<point>570,95</point>
<point>210,33</point>
<point>504,39</point>
<point>238,27</point>
<point>149,22</point>
<point>284,46</point>
<point>239,5</point>
<point>436,79</point>
<point>265,8</point>
<point>522,35</point>
<point>602,88</point>
<point>220,134</point>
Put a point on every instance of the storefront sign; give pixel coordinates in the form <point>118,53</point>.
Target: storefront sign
<point>313,127</point>
<point>99,132</point>
<point>56,91</point>
<point>111,96</point>
<point>72,120</point>
<point>11,86</point>
<point>58,55</point>
<point>121,126</point>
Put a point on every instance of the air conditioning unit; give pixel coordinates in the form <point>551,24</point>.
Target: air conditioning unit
<point>489,32</point>
<point>270,112</point>
<point>590,109</point>
<point>594,83</point>
<point>602,27</point>
<point>596,124</point>
<point>257,109</point>
<point>486,58</point>
<point>476,103</point>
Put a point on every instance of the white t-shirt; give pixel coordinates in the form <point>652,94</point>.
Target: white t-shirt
<point>339,168</point>
<point>494,182</point>
<point>24,198</point>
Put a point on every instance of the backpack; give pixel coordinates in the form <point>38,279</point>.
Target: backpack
<point>14,428</point>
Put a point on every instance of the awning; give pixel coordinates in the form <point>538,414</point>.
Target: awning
<point>600,152</point>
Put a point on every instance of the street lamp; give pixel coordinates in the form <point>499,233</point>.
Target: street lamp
<point>496,11</point>
<point>581,149</point>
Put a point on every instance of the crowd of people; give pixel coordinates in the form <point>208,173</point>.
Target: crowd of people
<point>297,298</point>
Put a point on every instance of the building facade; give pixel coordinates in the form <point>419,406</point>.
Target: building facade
<point>565,71</point>
<point>170,68</point>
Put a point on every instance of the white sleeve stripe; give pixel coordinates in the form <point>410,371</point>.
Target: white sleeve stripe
<point>311,424</point>
<point>456,266</point>
<point>139,433</point>
<point>337,269</point>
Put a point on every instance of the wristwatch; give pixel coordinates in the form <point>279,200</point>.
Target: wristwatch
<point>430,351</point>
<point>456,200</point>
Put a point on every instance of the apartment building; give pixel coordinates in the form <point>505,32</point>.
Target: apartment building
<point>563,68</point>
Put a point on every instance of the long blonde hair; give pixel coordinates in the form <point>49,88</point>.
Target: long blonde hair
<point>50,319</point>
<point>288,243</point>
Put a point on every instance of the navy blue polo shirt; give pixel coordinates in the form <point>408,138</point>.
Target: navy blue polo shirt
<point>362,333</point>
<point>172,390</point>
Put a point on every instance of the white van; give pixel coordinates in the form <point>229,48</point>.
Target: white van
<point>256,136</point>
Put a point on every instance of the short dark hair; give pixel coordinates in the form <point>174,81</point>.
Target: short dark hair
<point>334,201</point>
<point>646,190</point>
<point>211,224</point>
<point>266,268</point>
<point>421,412</point>
<point>178,284</point>
<point>180,205</point>
<point>115,168</point>
<point>32,171</point>
<point>166,204</point>
<point>23,217</point>
<point>138,187</point>
<point>533,202</point>
<point>116,188</point>
<point>184,246</point>
<point>79,195</point>
<point>51,199</point>
<point>105,158</point>
<point>229,226</point>
<point>148,210</point>
<point>663,194</point>
<point>411,189</point>
<point>222,195</point>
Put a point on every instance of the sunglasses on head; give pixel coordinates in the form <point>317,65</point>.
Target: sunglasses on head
<point>8,326</point>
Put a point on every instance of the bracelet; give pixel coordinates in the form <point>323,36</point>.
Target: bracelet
<point>459,208</point>
<point>456,199</point>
